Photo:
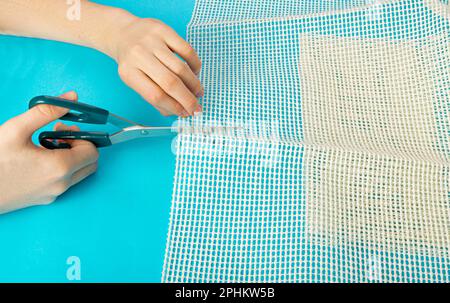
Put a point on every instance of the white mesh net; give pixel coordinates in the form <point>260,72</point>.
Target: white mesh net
<point>341,170</point>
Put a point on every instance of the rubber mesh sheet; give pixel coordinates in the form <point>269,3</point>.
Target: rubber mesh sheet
<point>338,168</point>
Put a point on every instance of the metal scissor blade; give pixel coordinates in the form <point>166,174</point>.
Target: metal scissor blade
<point>120,121</point>
<point>136,132</point>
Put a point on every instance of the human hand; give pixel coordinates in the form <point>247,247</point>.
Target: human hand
<point>31,175</point>
<point>145,51</point>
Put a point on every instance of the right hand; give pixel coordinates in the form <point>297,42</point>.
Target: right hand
<point>32,175</point>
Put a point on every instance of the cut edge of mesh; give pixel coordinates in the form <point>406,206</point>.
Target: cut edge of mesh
<point>197,15</point>
<point>439,7</point>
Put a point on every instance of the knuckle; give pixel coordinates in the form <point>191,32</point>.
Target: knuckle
<point>198,68</point>
<point>181,68</point>
<point>155,24</point>
<point>156,102</point>
<point>47,110</point>
<point>197,88</point>
<point>165,113</point>
<point>123,71</point>
<point>171,81</point>
<point>178,110</point>
<point>151,21</point>
<point>191,103</point>
<point>156,96</point>
<point>48,200</point>
<point>190,52</point>
<point>60,169</point>
<point>94,154</point>
<point>59,188</point>
<point>136,50</point>
<point>94,167</point>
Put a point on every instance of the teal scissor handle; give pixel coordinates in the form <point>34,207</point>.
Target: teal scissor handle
<point>52,139</point>
<point>80,112</point>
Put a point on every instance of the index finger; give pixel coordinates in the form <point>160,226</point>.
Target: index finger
<point>184,49</point>
<point>81,154</point>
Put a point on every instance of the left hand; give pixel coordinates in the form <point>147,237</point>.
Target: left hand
<point>145,50</point>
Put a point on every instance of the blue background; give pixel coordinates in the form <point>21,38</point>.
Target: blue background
<point>115,221</point>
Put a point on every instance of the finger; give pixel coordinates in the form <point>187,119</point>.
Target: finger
<point>83,173</point>
<point>61,127</point>
<point>170,83</point>
<point>184,49</point>
<point>180,68</point>
<point>165,112</point>
<point>41,115</point>
<point>151,92</point>
<point>82,153</point>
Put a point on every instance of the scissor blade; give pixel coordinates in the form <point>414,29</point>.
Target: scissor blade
<point>135,132</point>
<point>120,121</point>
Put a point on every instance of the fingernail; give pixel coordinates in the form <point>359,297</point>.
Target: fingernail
<point>71,94</point>
<point>184,114</point>
<point>198,109</point>
<point>201,93</point>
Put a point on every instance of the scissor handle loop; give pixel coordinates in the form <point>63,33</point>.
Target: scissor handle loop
<point>80,112</point>
<point>52,139</point>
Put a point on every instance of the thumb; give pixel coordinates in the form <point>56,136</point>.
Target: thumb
<point>81,153</point>
<point>41,115</point>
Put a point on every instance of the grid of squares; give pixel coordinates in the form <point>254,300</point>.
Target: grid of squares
<point>340,172</point>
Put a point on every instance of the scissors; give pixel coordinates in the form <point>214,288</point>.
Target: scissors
<point>85,113</point>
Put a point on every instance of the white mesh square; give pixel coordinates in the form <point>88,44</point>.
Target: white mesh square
<point>340,171</point>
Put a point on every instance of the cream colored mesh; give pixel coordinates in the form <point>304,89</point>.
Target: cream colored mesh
<point>340,170</point>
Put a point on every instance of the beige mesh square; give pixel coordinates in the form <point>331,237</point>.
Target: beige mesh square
<point>372,95</point>
<point>384,202</point>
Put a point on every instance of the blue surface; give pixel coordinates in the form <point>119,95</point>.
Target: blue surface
<point>115,221</point>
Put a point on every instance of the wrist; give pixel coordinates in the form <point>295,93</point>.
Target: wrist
<point>105,34</point>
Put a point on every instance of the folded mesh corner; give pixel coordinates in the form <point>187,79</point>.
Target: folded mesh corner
<point>338,165</point>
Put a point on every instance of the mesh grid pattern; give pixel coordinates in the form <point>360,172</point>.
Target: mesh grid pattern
<point>341,170</point>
